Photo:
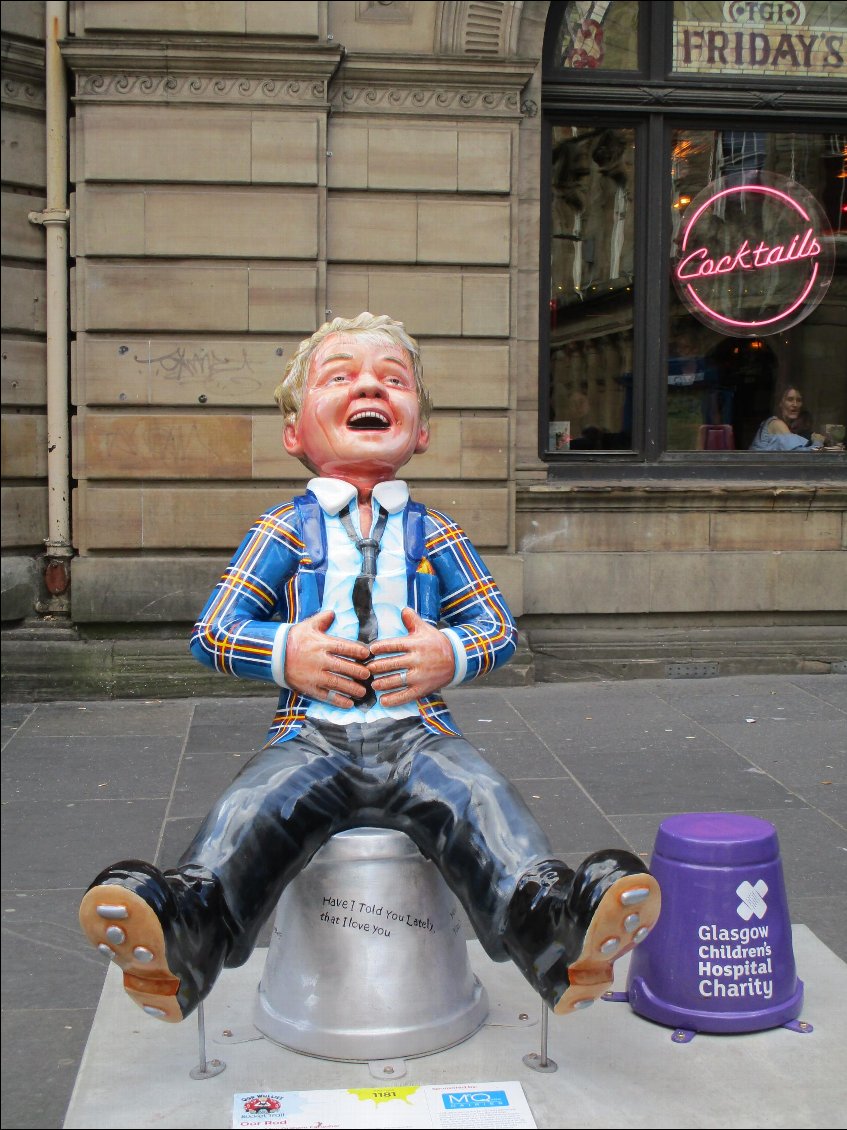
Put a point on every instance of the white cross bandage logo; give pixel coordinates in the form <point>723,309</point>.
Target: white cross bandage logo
<point>752,899</point>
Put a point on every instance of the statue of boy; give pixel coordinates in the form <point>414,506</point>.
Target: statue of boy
<point>362,605</point>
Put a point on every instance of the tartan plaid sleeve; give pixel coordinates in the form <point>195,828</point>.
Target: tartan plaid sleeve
<point>471,603</point>
<point>236,630</point>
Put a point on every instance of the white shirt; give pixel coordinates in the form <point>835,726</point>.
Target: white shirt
<point>390,589</point>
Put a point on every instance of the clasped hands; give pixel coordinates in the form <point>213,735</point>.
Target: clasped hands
<point>335,670</point>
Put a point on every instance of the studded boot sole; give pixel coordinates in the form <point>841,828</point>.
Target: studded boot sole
<point>624,916</point>
<point>125,928</point>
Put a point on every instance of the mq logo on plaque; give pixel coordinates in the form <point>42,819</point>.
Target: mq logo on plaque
<point>753,256</point>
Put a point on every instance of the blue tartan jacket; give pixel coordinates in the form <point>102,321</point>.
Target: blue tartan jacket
<point>276,576</point>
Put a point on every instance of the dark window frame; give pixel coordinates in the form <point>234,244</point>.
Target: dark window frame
<point>654,101</point>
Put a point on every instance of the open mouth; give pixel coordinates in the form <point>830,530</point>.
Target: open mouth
<point>369,419</point>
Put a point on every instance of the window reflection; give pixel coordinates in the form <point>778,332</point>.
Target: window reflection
<point>591,294</point>
<point>722,388</point>
<point>719,388</point>
<point>600,35</point>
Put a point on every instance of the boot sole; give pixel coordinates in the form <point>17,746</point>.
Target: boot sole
<point>122,926</point>
<point>625,915</point>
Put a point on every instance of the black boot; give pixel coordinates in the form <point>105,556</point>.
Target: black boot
<point>166,930</point>
<point>564,929</point>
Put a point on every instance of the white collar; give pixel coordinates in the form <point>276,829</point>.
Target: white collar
<point>334,494</point>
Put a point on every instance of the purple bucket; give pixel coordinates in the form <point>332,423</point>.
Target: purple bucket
<point>720,958</point>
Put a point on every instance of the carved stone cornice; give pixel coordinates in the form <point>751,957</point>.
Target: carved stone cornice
<point>22,93</point>
<point>201,87</point>
<point>23,75</point>
<point>243,70</point>
<point>423,84</point>
<point>236,71</point>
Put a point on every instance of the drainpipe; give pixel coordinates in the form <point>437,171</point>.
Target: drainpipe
<point>55,219</point>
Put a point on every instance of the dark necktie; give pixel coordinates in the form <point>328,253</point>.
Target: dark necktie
<point>363,586</point>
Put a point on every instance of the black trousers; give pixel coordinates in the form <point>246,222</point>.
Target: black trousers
<point>290,798</point>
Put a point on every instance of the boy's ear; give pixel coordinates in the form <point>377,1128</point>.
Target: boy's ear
<point>423,439</point>
<point>291,440</point>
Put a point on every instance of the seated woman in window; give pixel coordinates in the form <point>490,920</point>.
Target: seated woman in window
<point>789,428</point>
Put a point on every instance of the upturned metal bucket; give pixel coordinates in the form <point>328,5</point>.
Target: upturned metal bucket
<point>367,958</point>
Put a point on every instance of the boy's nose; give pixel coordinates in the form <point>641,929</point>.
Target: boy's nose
<point>367,385</point>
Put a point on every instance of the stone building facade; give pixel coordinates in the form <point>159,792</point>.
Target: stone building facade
<point>239,172</point>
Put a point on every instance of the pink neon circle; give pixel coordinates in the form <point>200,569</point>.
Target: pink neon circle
<point>766,321</point>
<point>765,190</point>
<point>742,188</point>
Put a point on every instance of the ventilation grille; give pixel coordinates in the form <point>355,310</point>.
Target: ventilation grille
<point>484,28</point>
<point>699,670</point>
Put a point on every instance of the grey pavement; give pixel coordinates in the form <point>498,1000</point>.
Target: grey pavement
<point>599,763</point>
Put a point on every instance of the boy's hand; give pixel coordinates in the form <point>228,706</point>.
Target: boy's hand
<point>415,665</point>
<point>324,667</point>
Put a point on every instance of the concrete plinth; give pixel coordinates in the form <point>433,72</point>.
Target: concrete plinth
<point>615,1069</point>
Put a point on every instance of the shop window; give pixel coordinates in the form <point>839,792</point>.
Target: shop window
<point>697,249</point>
<point>727,370</point>
<point>591,308</point>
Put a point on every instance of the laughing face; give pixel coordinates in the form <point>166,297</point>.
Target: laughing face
<point>360,419</point>
<point>790,406</point>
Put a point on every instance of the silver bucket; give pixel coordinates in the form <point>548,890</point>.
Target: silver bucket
<point>367,958</point>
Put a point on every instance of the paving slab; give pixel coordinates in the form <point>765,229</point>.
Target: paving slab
<point>89,782</point>
<point>615,1069</point>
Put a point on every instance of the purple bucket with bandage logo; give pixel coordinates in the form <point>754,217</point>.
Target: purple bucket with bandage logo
<point>720,958</point>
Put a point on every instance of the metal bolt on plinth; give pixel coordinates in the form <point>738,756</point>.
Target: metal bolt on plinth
<point>540,1061</point>
<point>205,1069</point>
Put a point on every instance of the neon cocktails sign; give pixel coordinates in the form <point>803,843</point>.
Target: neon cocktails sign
<point>753,258</point>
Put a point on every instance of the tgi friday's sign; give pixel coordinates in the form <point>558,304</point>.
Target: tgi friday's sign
<point>763,37</point>
<point>753,255</point>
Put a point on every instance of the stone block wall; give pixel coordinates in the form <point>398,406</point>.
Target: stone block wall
<point>242,172</point>
<point>699,553</point>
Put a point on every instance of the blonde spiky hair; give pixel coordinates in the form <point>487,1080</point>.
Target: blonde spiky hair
<point>289,394</point>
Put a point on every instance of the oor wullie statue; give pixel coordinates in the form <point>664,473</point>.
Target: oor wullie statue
<point>362,605</point>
